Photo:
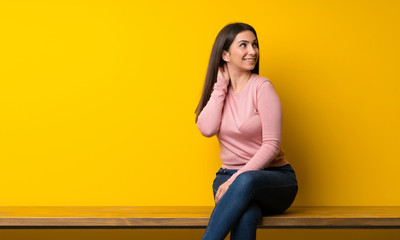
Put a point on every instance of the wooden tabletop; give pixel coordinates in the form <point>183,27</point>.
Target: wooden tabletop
<point>193,217</point>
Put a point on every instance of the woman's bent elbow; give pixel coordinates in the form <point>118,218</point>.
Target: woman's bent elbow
<point>207,132</point>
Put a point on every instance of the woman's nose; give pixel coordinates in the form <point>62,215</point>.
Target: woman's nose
<point>252,50</point>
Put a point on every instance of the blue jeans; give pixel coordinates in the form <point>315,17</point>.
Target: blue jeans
<point>252,194</point>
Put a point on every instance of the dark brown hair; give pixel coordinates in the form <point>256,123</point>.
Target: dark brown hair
<point>222,42</point>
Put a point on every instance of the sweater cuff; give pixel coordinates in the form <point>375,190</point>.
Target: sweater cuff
<point>220,89</point>
<point>221,83</point>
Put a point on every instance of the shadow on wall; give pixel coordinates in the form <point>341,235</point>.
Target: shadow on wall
<point>296,129</point>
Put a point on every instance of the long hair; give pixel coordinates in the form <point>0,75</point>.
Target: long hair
<point>222,42</point>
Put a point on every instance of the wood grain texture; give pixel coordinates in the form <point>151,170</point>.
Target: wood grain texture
<point>193,217</point>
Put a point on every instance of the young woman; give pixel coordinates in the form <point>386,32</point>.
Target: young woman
<point>244,111</point>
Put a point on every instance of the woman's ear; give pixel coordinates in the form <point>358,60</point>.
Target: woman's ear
<point>225,56</point>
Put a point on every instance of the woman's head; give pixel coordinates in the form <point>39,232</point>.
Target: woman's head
<point>221,54</point>
<point>242,54</point>
<point>224,43</point>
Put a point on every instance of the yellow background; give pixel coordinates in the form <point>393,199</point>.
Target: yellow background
<point>97,99</point>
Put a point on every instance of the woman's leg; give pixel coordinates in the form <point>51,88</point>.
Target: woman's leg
<point>248,186</point>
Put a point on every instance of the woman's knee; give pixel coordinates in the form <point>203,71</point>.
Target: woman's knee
<point>245,181</point>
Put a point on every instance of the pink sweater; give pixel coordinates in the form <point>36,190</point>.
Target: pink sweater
<point>248,125</point>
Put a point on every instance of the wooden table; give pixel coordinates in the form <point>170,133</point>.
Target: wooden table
<point>192,217</point>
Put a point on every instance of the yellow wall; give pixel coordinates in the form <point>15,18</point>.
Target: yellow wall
<point>97,99</point>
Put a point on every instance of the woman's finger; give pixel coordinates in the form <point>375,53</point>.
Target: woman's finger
<point>226,72</point>
<point>221,195</point>
<point>221,191</point>
<point>220,72</point>
<point>218,195</point>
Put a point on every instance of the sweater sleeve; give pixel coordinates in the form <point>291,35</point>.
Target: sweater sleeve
<point>209,119</point>
<point>270,111</point>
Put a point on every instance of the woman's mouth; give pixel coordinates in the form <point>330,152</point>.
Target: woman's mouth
<point>250,60</point>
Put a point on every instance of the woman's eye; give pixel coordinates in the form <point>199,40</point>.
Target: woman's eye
<point>244,44</point>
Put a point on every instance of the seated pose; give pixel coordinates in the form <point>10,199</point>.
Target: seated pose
<point>244,111</point>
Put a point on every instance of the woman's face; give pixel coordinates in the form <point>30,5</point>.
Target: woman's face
<point>243,52</point>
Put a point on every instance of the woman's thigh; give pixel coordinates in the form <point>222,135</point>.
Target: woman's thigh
<point>276,200</point>
<point>274,189</point>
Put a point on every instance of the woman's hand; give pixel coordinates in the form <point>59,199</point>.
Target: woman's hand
<point>221,191</point>
<point>224,73</point>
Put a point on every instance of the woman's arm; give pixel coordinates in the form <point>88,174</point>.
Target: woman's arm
<point>209,120</point>
<point>270,111</point>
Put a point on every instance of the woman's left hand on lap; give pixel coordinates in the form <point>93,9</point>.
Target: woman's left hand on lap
<point>221,191</point>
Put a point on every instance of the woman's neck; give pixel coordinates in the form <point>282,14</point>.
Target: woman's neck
<point>239,79</point>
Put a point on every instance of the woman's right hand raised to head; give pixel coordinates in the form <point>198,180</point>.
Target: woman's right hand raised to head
<point>224,73</point>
